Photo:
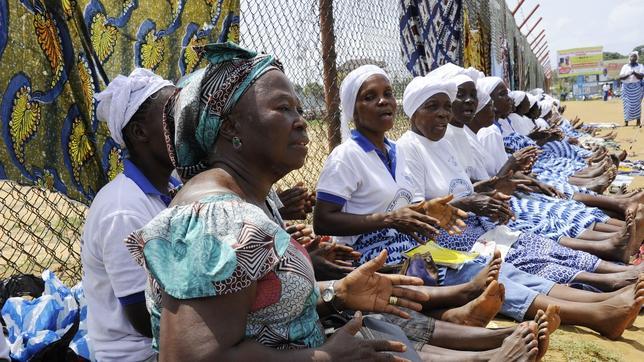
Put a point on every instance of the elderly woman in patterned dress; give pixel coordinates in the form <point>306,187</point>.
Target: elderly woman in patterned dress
<point>226,280</point>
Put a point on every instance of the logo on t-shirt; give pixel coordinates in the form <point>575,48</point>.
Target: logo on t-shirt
<point>460,188</point>
<point>452,161</point>
<point>402,198</point>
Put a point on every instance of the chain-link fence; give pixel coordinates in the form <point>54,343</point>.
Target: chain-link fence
<point>40,229</point>
<point>318,41</point>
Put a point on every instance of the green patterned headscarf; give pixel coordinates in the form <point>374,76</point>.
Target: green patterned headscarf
<point>208,95</point>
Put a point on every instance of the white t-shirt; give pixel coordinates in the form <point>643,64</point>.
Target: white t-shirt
<point>492,141</point>
<point>110,272</point>
<point>355,175</point>
<point>606,87</point>
<point>627,69</point>
<point>521,124</point>
<point>4,348</point>
<point>468,158</point>
<point>506,128</point>
<point>434,168</point>
<point>541,123</point>
<point>437,173</point>
<point>488,165</point>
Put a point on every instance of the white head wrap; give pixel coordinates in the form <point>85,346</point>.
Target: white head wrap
<point>349,91</point>
<point>487,84</point>
<point>546,107</point>
<point>538,92</point>
<point>517,97</point>
<point>454,73</point>
<point>532,99</point>
<point>421,89</point>
<point>123,97</point>
<point>635,54</point>
<point>483,97</point>
<point>473,73</point>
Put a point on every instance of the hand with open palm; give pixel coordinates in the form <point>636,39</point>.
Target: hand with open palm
<point>367,290</point>
<point>449,218</point>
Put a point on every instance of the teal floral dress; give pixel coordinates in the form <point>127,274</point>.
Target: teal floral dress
<point>220,245</point>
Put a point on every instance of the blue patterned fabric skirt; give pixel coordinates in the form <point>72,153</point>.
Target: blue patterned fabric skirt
<point>556,149</point>
<point>566,150</point>
<point>552,218</point>
<point>547,259</point>
<point>531,253</point>
<point>632,98</point>
<point>396,243</point>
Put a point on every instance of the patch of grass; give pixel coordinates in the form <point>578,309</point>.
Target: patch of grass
<point>575,350</point>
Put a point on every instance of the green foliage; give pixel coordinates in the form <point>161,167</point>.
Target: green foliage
<point>613,55</point>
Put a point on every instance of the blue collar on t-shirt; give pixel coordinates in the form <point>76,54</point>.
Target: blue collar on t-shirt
<point>133,173</point>
<point>367,146</point>
<point>498,124</point>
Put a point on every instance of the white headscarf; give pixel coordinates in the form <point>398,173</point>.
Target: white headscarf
<point>483,97</point>
<point>635,54</point>
<point>349,91</point>
<point>454,73</point>
<point>487,84</point>
<point>421,89</point>
<point>532,99</point>
<point>123,97</point>
<point>517,97</point>
<point>546,107</point>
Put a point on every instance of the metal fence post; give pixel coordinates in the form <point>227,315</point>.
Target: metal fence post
<point>331,89</point>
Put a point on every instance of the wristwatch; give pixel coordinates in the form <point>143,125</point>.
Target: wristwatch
<point>328,295</point>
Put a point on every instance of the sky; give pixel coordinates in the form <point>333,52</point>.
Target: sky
<point>615,24</point>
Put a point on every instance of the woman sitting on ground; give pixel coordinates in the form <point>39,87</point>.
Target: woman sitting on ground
<point>576,223</point>
<point>436,172</point>
<point>227,282</point>
<point>363,190</point>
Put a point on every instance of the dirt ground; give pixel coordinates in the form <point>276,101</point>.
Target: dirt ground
<point>578,343</point>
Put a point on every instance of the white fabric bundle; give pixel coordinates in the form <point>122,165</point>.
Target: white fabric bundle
<point>349,91</point>
<point>421,89</point>
<point>123,97</point>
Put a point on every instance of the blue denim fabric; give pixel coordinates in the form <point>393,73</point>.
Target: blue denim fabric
<point>521,288</point>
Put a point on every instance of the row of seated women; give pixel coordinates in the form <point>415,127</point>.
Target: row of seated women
<point>228,282</point>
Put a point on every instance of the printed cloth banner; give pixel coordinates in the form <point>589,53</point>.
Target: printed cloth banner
<point>56,54</point>
<point>431,34</point>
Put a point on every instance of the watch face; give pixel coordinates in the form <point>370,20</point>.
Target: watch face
<point>327,295</point>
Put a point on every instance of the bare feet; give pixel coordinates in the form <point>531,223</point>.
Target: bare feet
<point>639,222</point>
<point>487,275</point>
<point>625,242</point>
<point>616,281</point>
<point>613,315</point>
<point>638,290</point>
<point>520,346</point>
<point>543,320</point>
<point>480,311</point>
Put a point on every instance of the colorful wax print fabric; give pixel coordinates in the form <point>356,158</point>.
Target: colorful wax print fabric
<point>431,34</point>
<point>56,55</point>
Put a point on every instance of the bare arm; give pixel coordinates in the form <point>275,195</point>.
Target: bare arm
<point>213,329</point>
<point>329,219</point>
<point>137,314</point>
